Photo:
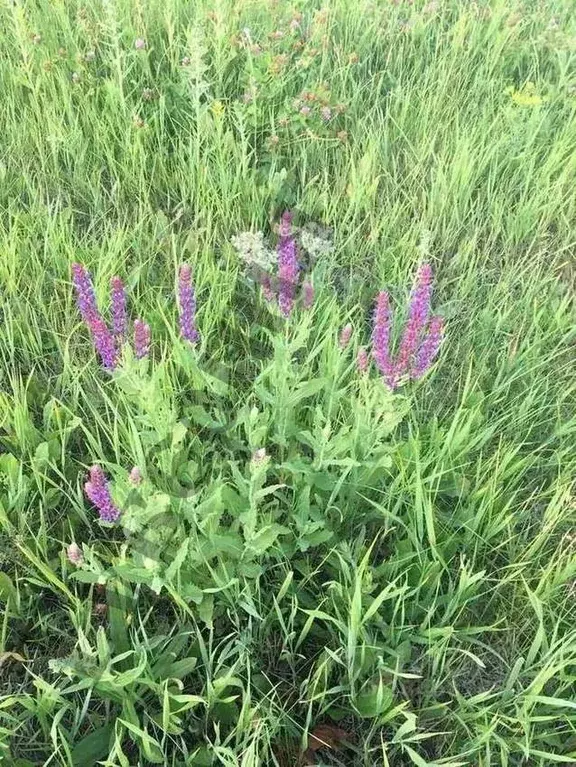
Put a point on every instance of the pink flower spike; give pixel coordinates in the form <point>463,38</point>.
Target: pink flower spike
<point>429,348</point>
<point>381,339</point>
<point>419,312</point>
<point>345,335</point>
<point>307,295</point>
<point>141,339</point>
<point>104,343</point>
<point>287,265</point>
<point>362,360</point>
<point>119,315</point>
<point>187,303</point>
<point>267,289</point>
<point>85,296</point>
<point>97,492</point>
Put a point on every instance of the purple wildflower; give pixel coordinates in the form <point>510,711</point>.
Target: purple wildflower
<point>345,335</point>
<point>429,347</point>
<point>141,339</point>
<point>307,295</point>
<point>287,265</point>
<point>104,342</point>
<point>187,301</point>
<point>140,44</point>
<point>417,319</point>
<point>381,338</point>
<point>362,360</point>
<point>135,476</point>
<point>97,491</point>
<point>85,297</point>
<point>74,554</point>
<point>119,315</point>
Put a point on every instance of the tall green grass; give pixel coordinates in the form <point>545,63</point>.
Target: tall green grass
<point>460,598</point>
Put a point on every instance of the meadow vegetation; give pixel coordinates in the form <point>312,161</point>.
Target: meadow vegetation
<point>300,557</point>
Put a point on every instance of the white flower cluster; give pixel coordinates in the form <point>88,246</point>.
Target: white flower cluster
<point>252,249</point>
<point>316,243</point>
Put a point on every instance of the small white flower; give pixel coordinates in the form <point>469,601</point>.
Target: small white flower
<point>260,457</point>
<point>315,244</point>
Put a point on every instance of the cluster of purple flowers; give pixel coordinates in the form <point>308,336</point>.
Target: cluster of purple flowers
<point>187,303</point>
<point>108,342</point>
<point>97,491</point>
<point>288,273</point>
<point>420,340</point>
<point>419,343</point>
<point>287,265</point>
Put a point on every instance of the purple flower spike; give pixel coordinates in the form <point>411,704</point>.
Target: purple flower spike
<point>307,295</point>
<point>85,297</point>
<point>287,265</point>
<point>119,315</point>
<point>429,347</point>
<point>141,339</point>
<point>417,320</point>
<point>187,302</point>
<point>104,342</point>
<point>381,338</point>
<point>97,491</point>
<point>345,335</point>
<point>362,360</point>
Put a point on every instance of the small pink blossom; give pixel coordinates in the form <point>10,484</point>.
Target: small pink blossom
<point>307,295</point>
<point>345,335</point>
<point>135,476</point>
<point>362,360</point>
<point>74,554</point>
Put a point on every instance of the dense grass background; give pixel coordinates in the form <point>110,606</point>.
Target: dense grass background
<point>452,123</point>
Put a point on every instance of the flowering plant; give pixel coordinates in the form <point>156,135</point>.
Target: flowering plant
<point>224,481</point>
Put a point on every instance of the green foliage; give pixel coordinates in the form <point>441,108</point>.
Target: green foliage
<point>392,581</point>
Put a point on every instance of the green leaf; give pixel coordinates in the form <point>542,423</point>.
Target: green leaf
<point>374,701</point>
<point>179,559</point>
<point>7,590</point>
<point>93,747</point>
<point>134,574</point>
<point>133,674</point>
<point>150,747</point>
<point>305,390</point>
<point>178,433</point>
<point>41,456</point>
<point>206,610</point>
<point>181,668</point>
<point>266,537</point>
<point>202,757</point>
<point>85,576</point>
